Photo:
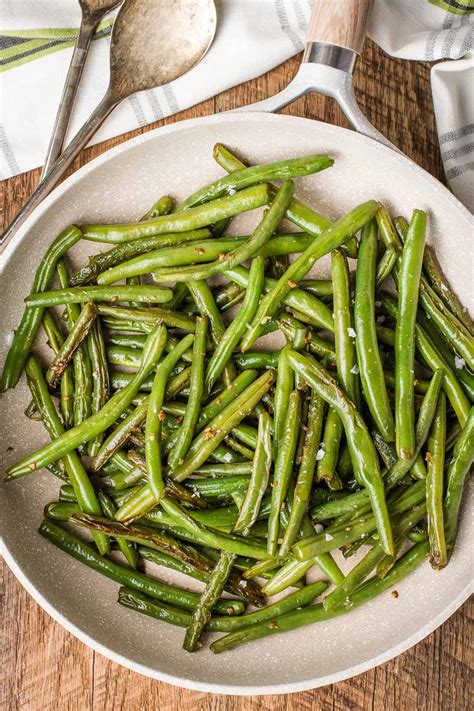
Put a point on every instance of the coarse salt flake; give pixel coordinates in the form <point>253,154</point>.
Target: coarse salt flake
<point>459,362</point>
<point>328,537</point>
<point>355,370</point>
<point>319,528</point>
<point>351,332</point>
<point>319,454</point>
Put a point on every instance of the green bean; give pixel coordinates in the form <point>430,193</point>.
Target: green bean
<point>82,404</point>
<point>465,377</point>
<point>224,398</point>
<point>163,206</point>
<point>458,470</point>
<point>126,547</point>
<point>408,289</point>
<point>168,561</point>
<point>371,371</point>
<point>136,281</point>
<point>77,335</point>
<point>346,532</point>
<point>363,454</point>
<point>420,386</point>
<point>141,603</point>
<point>435,361</point>
<point>153,422</point>
<point>176,384</point>
<point>222,424</point>
<point>425,418</point>
<point>316,613</point>
<point>205,443</point>
<point>127,340</point>
<point>346,364</point>
<point>250,508</point>
<point>200,566</point>
<point>365,566</point>
<point>246,434</point>
<point>135,460</point>
<point>256,359</point>
<point>222,517</point>
<point>184,221</point>
<point>100,379</point>
<point>150,317</point>
<point>204,299</point>
<point>442,288</point>
<point>126,251</point>
<point>210,488</point>
<point>189,526</point>
<point>353,503</point>
<point>210,595</point>
<point>386,265</point>
<point>281,170</point>
<point>306,470</point>
<point>83,489</point>
<point>235,331</point>
<point>316,311</point>
<point>453,328</point>
<point>100,421</point>
<point>335,235</point>
<point>228,295</point>
<point>201,252</point>
<point>31,320</point>
<point>284,460</point>
<point>318,287</point>
<point>85,294</point>
<point>125,576</point>
<point>55,339</point>
<point>186,432</point>
<point>385,449</point>
<point>285,382</point>
<point>262,233</point>
<point>298,212</point>
<point>225,470</point>
<point>115,441</point>
<point>238,447</point>
<point>316,345</point>
<point>435,486</point>
<point>454,331</point>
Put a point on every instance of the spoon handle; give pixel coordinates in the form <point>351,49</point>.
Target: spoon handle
<point>78,59</point>
<point>60,166</point>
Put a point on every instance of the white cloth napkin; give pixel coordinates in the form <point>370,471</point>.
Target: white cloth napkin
<point>253,36</point>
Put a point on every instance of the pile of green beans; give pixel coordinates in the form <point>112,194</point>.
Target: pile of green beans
<point>181,441</point>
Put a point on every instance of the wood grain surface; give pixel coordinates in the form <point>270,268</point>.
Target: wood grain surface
<point>44,667</point>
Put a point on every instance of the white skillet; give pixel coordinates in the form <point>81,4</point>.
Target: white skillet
<point>120,185</point>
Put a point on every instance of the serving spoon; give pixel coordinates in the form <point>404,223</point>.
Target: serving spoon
<point>92,11</point>
<point>153,42</point>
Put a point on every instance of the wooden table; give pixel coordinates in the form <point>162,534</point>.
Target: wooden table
<point>44,667</point>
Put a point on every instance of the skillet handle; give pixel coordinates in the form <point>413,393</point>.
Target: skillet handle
<point>339,22</point>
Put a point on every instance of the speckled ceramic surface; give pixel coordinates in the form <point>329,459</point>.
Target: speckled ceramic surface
<point>121,185</point>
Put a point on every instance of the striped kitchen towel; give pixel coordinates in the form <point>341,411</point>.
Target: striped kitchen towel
<point>253,36</point>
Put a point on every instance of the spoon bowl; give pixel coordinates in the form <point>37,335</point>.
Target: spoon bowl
<point>153,42</point>
<point>186,29</point>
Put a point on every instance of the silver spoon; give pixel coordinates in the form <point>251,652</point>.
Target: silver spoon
<point>153,42</point>
<point>92,13</point>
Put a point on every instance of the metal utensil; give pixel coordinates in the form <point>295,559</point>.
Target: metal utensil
<point>335,38</point>
<point>152,43</point>
<point>92,12</point>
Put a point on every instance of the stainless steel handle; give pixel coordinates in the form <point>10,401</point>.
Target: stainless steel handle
<point>78,60</point>
<point>61,164</point>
